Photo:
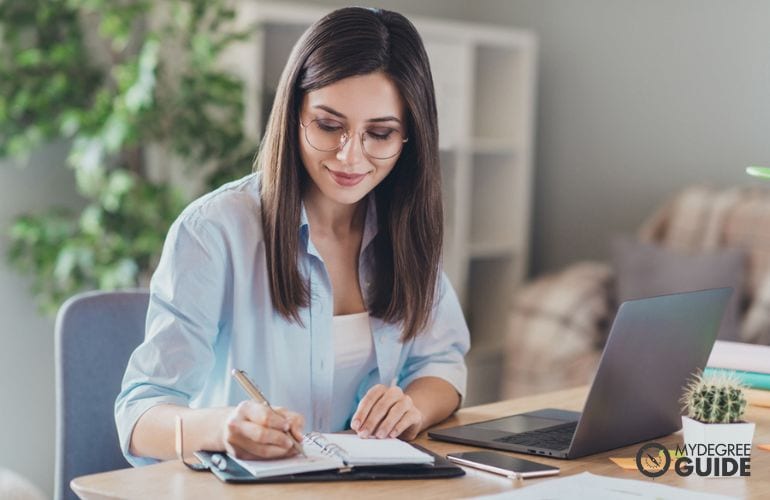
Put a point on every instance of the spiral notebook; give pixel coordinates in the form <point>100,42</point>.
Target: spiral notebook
<point>339,451</point>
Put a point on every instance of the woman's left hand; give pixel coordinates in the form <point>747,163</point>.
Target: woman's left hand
<point>386,412</point>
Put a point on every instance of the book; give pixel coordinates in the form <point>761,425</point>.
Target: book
<point>338,452</point>
<point>755,380</point>
<point>740,356</point>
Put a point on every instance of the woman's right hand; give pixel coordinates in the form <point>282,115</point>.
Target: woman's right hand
<point>252,431</point>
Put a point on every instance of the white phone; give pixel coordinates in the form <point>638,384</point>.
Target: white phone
<point>505,465</point>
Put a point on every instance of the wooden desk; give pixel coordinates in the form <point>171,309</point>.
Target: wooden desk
<point>173,480</point>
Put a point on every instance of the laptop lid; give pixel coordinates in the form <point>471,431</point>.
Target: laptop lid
<point>653,348</point>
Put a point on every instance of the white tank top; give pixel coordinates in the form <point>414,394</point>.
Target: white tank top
<point>354,358</point>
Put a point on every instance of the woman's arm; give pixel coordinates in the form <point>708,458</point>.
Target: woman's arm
<point>390,412</point>
<point>247,431</point>
<point>433,378</point>
<point>435,398</point>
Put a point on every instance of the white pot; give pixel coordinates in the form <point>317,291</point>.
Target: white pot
<point>698,436</point>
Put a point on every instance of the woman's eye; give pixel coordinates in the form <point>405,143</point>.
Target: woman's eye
<point>329,126</point>
<point>380,134</point>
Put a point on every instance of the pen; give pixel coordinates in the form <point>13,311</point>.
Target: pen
<point>253,391</point>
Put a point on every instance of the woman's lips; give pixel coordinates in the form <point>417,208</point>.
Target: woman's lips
<point>346,180</point>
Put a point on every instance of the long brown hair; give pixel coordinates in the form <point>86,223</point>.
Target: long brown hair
<point>349,42</point>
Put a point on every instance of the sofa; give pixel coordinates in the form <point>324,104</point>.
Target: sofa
<point>703,236</point>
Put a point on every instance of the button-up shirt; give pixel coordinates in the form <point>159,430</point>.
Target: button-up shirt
<point>210,311</point>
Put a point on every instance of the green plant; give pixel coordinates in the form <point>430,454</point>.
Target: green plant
<point>714,399</point>
<point>121,81</point>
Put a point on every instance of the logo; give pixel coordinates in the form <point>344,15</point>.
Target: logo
<point>705,460</point>
<point>653,460</point>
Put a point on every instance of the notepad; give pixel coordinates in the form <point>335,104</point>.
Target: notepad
<point>338,451</point>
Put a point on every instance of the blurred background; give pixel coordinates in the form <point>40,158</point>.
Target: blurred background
<point>563,125</point>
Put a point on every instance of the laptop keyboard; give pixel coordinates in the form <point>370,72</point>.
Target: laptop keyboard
<point>554,438</point>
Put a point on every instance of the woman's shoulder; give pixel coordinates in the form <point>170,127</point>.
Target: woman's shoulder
<point>232,205</point>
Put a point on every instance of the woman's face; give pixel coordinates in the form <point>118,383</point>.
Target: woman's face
<point>369,105</point>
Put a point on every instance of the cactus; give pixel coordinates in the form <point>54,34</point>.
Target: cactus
<point>714,399</point>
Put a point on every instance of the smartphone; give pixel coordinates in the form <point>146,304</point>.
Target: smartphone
<point>498,463</point>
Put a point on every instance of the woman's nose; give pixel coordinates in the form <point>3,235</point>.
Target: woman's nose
<point>351,151</point>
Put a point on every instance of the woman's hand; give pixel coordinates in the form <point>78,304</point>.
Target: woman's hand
<point>386,412</point>
<point>252,431</point>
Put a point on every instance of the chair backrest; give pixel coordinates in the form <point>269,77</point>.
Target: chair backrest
<point>96,332</point>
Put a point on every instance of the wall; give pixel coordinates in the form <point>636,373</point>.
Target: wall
<point>26,356</point>
<point>636,100</point>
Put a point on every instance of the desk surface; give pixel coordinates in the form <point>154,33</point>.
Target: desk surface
<point>173,480</point>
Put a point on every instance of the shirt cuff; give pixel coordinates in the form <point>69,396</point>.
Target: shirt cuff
<point>454,373</point>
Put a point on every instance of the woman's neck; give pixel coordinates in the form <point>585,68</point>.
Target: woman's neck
<point>331,219</point>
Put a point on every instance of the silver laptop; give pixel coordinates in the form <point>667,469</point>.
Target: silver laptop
<point>655,344</point>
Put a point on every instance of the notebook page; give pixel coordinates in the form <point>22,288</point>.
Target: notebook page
<point>315,461</point>
<point>377,451</point>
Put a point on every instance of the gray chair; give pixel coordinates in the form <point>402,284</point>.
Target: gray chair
<point>96,332</point>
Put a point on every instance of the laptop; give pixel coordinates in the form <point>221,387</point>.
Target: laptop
<point>654,346</point>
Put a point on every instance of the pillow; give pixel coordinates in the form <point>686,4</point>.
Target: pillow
<point>646,270</point>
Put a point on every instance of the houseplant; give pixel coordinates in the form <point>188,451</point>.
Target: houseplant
<point>713,425</point>
<point>132,86</point>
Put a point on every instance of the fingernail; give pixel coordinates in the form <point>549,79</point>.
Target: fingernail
<point>381,434</point>
<point>364,434</point>
<point>354,425</point>
<point>393,434</point>
<point>286,426</point>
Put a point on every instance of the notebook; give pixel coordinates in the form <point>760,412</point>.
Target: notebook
<point>339,453</point>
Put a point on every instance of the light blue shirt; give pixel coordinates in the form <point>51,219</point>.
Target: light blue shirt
<point>210,311</point>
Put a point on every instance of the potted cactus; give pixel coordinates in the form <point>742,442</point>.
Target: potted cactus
<point>713,424</point>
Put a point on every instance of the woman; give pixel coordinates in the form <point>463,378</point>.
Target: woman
<point>319,275</point>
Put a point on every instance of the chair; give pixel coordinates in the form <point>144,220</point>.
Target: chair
<point>558,324</point>
<point>96,332</point>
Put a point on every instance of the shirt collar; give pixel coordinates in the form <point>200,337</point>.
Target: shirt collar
<point>370,227</point>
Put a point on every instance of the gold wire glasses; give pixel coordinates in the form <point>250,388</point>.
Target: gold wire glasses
<point>378,142</point>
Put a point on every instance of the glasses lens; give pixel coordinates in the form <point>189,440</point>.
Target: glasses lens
<point>324,135</point>
<point>383,143</point>
<point>328,135</point>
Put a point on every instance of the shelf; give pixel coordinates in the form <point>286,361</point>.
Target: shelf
<point>493,197</point>
<point>492,249</point>
<point>493,146</point>
<point>492,284</point>
<point>500,93</point>
<point>484,350</point>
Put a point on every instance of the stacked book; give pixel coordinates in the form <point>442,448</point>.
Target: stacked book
<point>749,362</point>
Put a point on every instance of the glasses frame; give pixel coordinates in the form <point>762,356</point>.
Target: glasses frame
<point>347,135</point>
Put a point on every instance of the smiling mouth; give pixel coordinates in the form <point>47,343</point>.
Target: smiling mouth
<point>346,180</point>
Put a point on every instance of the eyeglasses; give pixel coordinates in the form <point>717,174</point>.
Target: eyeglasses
<point>378,142</point>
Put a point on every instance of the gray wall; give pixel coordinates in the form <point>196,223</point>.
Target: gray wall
<point>636,99</point>
<point>26,338</point>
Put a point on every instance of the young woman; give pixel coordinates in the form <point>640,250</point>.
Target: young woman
<point>319,274</point>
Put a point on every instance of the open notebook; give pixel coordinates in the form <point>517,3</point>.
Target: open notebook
<point>338,451</point>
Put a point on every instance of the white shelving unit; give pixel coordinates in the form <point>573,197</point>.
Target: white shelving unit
<point>485,89</point>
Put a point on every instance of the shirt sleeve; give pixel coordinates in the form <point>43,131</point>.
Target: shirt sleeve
<point>440,350</point>
<point>183,319</point>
